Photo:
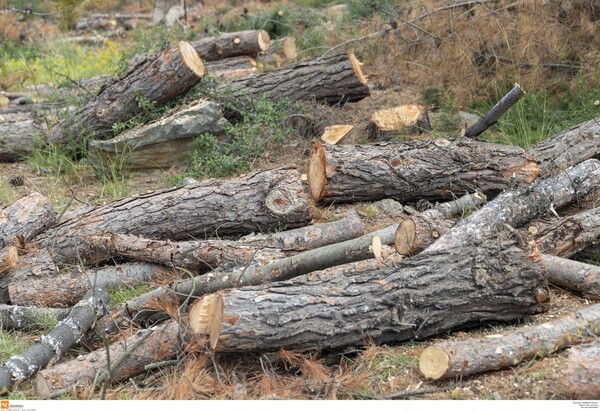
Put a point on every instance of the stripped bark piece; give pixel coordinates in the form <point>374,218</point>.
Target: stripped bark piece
<point>451,359</point>
<point>50,348</point>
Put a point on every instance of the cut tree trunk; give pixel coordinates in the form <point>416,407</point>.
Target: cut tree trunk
<point>517,207</point>
<point>583,371</point>
<point>568,148</point>
<point>455,359</point>
<point>333,80</point>
<point>496,112</point>
<point>333,134</point>
<point>65,290</point>
<point>429,169</point>
<point>414,299</point>
<point>241,43</point>
<point>161,143</point>
<point>573,275</point>
<point>52,346</point>
<point>145,347</point>
<point>416,233</point>
<point>406,119</point>
<point>232,67</point>
<point>158,79</point>
<point>280,53</point>
<point>567,236</point>
<point>30,319</point>
<point>259,201</point>
<point>142,309</point>
<point>19,134</point>
<point>26,218</point>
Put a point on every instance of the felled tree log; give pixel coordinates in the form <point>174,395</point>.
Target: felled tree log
<point>161,143</point>
<point>232,67</point>
<point>26,217</point>
<point>142,308</point>
<point>158,79</point>
<point>569,235</point>
<point>259,201</point>
<point>416,233</point>
<point>573,275</point>
<point>280,52</point>
<point>496,112</point>
<point>406,118</point>
<point>241,43</point>
<point>413,299</point>
<point>517,207</point>
<point>333,80</point>
<point>583,372</point>
<point>18,134</point>
<point>145,347</point>
<point>451,359</point>
<point>429,169</point>
<point>29,319</point>
<point>568,148</point>
<point>52,346</point>
<point>64,290</point>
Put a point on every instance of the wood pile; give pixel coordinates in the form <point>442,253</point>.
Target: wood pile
<point>298,285</point>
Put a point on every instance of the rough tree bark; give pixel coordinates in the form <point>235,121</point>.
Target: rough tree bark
<point>496,112</point>
<point>241,43</point>
<point>451,359</point>
<point>583,372</point>
<point>573,275</point>
<point>52,346</point>
<point>428,169</point>
<point>18,134</point>
<point>418,297</point>
<point>64,290</point>
<point>158,79</point>
<point>30,319</point>
<point>333,80</point>
<point>259,201</point>
<point>145,347</point>
<point>161,143</point>
<point>26,217</point>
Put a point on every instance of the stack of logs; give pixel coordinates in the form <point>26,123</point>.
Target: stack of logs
<point>305,287</point>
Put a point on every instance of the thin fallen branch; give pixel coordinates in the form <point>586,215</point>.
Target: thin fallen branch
<point>496,112</point>
<point>451,359</point>
<point>52,346</point>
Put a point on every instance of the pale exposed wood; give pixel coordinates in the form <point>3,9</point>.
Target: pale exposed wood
<point>416,233</point>
<point>159,79</point>
<point>455,359</point>
<point>51,347</point>
<point>407,118</point>
<point>583,371</point>
<point>431,169</point>
<point>259,201</point>
<point>162,143</point>
<point>152,345</point>
<point>280,53</point>
<point>333,134</point>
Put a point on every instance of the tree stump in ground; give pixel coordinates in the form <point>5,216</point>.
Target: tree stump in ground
<point>407,118</point>
<point>158,79</point>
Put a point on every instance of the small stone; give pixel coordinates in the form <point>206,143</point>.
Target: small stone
<point>390,207</point>
<point>189,180</point>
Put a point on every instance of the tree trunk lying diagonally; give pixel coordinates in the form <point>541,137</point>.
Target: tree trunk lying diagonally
<point>259,201</point>
<point>159,79</point>
<point>416,298</point>
<point>333,80</point>
<point>428,169</point>
<point>460,358</point>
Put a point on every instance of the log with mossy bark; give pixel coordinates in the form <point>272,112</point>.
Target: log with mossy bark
<point>414,299</point>
<point>157,80</point>
<point>241,43</point>
<point>260,201</point>
<point>431,169</point>
<point>162,143</point>
<point>333,80</point>
<point>456,359</point>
